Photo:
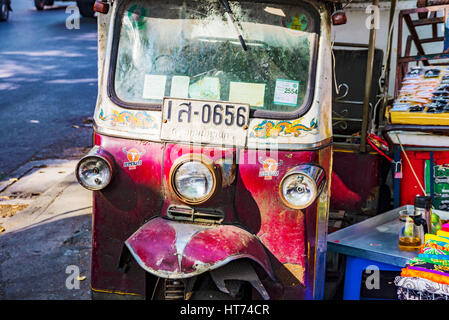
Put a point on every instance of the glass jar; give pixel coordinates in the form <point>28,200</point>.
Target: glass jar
<point>411,235</point>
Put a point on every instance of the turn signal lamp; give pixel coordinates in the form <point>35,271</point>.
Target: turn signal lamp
<point>101,7</point>
<point>339,16</point>
<point>301,186</point>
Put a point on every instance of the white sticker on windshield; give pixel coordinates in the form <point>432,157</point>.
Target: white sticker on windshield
<point>207,88</point>
<point>246,92</point>
<point>154,87</point>
<point>179,87</point>
<point>286,92</point>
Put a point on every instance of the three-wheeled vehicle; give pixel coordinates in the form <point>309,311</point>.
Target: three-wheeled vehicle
<point>212,149</point>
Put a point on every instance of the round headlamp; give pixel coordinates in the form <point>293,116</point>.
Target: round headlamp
<point>93,172</point>
<point>193,179</point>
<point>300,187</point>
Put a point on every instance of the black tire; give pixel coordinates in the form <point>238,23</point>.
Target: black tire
<point>4,10</point>
<point>39,4</point>
<point>86,8</point>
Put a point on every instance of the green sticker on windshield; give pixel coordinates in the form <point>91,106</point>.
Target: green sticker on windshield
<point>299,22</point>
<point>286,92</point>
<point>137,16</point>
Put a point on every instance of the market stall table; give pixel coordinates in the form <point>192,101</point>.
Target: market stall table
<point>370,242</point>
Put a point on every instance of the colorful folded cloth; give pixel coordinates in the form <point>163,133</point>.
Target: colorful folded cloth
<point>445,227</point>
<point>434,276</point>
<point>418,264</point>
<point>426,270</point>
<point>435,237</point>
<point>433,261</point>
<point>426,277</point>
<point>414,288</point>
<point>435,247</point>
<point>433,256</point>
<point>432,251</point>
<point>443,233</point>
<point>410,294</point>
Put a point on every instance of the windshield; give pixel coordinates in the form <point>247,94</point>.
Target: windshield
<point>193,50</point>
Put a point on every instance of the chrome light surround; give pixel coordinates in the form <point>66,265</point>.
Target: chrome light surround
<point>192,160</point>
<point>95,170</point>
<point>306,181</point>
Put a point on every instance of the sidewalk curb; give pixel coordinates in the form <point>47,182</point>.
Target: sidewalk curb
<point>40,205</point>
<point>25,169</point>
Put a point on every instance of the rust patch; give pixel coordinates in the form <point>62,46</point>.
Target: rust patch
<point>291,274</point>
<point>8,210</point>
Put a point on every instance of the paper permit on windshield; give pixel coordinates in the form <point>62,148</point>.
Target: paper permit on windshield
<point>207,88</point>
<point>154,87</point>
<point>286,92</point>
<point>247,92</point>
<point>180,87</point>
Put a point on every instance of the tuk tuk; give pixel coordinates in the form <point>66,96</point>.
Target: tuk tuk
<point>212,149</point>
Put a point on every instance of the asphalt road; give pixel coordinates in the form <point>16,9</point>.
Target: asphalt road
<point>48,83</point>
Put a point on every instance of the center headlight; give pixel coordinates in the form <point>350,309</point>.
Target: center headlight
<point>193,179</point>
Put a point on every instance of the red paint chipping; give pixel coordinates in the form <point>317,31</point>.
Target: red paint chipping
<point>154,244</point>
<point>214,245</point>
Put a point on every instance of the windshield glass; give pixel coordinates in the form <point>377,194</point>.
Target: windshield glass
<point>192,50</point>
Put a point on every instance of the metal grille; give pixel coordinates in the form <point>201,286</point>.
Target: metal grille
<point>192,215</point>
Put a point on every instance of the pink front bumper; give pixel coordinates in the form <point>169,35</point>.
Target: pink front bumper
<point>171,249</point>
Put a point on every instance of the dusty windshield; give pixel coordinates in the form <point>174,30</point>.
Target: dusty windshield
<point>192,50</point>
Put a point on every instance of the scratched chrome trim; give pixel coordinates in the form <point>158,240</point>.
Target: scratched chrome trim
<point>292,146</point>
<point>124,134</point>
<point>250,146</point>
<point>322,218</point>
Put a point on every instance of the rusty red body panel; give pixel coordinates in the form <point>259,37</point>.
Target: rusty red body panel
<point>154,246</point>
<point>257,224</point>
<point>349,192</point>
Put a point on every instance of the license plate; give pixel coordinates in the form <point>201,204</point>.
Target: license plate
<point>205,122</point>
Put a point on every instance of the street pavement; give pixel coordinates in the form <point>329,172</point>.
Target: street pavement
<point>48,83</point>
<point>51,235</point>
<point>48,88</point>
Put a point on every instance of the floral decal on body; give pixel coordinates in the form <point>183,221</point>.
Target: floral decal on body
<point>274,129</point>
<point>138,120</point>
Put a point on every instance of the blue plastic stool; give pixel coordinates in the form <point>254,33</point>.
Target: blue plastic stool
<point>353,275</point>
